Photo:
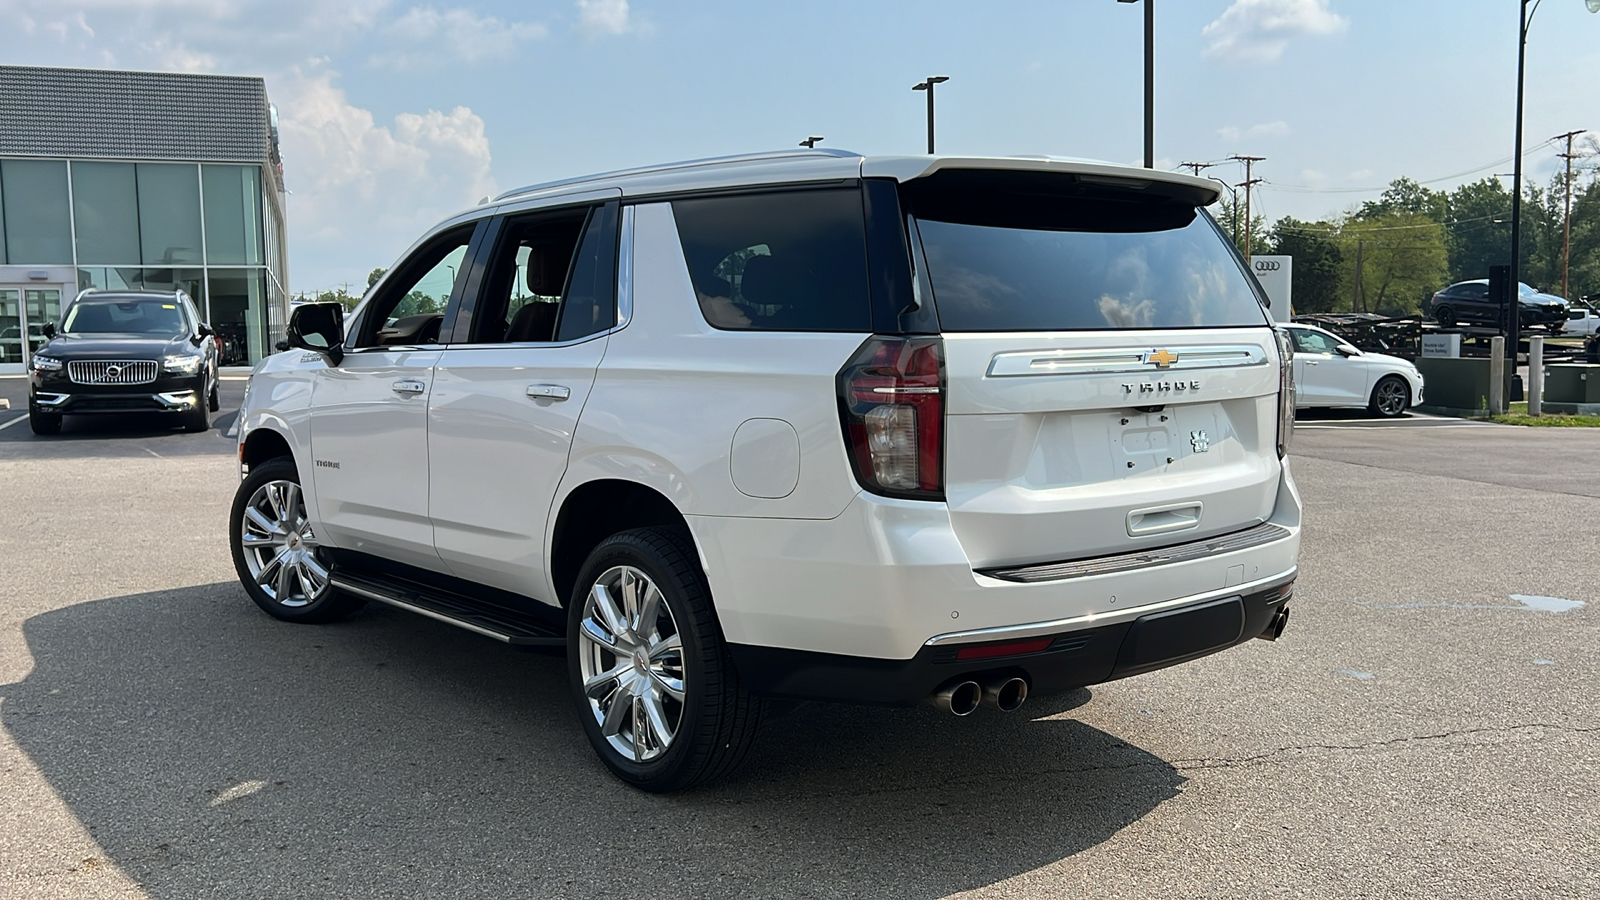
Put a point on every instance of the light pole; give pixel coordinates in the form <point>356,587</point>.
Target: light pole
<point>1149,81</point>
<point>1512,302</point>
<point>928,86</point>
<point>811,141</point>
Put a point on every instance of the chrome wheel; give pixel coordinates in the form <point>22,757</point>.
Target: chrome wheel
<point>280,549</point>
<point>631,663</point>
<point>1391,397</point>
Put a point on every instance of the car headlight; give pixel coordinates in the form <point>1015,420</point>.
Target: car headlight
<point>181,363</point>
<point>46,364</point>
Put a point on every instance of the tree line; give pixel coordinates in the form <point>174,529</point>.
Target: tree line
<point>1390,254</point>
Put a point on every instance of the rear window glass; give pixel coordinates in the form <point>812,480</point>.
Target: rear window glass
<point>783,261</point>
<point>1089,259</point>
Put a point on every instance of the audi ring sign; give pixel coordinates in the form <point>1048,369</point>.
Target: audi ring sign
<point>1274,274</point>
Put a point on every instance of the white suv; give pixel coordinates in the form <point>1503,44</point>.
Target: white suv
<point>798,425</point>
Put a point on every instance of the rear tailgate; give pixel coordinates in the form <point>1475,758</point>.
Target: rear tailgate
<point>1070,445</point>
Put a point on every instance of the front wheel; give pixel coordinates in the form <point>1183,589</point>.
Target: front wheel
<point>199,418</point>
<point>44,423</point>
<point>1390,397</point>
<point>1445,316</point>
<point>281,565</point>
<point>658,695</point>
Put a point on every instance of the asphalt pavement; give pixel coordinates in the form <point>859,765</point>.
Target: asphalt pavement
<point>1425,728</point>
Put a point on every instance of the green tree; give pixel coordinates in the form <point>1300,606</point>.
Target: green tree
<point>1479,229</point>
<point>373,276</point>
<point>1585,266</point>
<point>1406,196</point>
<point>1231,220</point>
<point>1318,263</point>
<point>1392,261</point>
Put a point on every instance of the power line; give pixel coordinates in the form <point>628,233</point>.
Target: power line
<point>1305,189</point>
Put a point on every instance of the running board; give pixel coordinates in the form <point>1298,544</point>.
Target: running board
<point>505,625</point>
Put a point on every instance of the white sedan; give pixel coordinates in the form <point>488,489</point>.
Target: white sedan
<point>1328,371</point>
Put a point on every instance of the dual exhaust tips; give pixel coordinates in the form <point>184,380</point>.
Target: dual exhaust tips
<point>962,698</point>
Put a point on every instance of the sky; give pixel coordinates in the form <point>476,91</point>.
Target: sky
<point>395,114</point>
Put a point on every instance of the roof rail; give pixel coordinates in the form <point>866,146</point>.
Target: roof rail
<point>798,153</point>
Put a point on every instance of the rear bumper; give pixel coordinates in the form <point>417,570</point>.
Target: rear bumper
<point>1193,628</point>
<point>887,579</point>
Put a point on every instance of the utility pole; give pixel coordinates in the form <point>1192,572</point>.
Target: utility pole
<point>1359,301</point>
<point>1566,238</point>
<point>1249,182</point>
<point>1195,167</point>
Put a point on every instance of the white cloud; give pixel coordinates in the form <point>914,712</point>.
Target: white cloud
<point>367,188</point>
<point>1258,31</point>
<point>426,38</point>
<point>1231,133</point>
<point>1312,175</point>
<point>604,16</point>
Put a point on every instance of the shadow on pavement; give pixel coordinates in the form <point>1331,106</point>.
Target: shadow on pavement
<point>212,751</point>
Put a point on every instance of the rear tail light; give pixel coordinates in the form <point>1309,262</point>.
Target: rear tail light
<point>1285,391</point>
<point>891,401</point>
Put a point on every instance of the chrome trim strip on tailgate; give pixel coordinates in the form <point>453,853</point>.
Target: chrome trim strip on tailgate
<point>1109,617</point>
<point>1123,360</point>
<point>1265,533</point>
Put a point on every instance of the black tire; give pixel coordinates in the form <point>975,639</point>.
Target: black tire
<point>199,418</point>
<point>328,605</point>
<point>1445,316</point>
<point>718,718</point>
<point>1391,397</point>
<point>213,402</point>
<point>44,423</point>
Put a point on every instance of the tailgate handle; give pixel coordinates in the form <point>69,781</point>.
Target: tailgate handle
<point>1164,519</point>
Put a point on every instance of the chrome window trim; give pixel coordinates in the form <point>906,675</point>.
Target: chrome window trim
<point>624,268</point>
<point>1122,360</point>
<point>1036,629</point>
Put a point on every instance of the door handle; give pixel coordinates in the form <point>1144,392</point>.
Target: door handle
<point>549,391</point>
<point>407,386</point>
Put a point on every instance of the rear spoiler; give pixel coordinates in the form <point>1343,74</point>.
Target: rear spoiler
<point>1174,185</point>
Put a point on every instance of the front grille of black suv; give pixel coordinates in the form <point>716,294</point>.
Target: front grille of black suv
<point>112,371</point>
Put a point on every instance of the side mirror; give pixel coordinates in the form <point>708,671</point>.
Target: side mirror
<point>48,329</point>
<point>201,332</point>
<point>318,327</point>
<point>1348,351</point>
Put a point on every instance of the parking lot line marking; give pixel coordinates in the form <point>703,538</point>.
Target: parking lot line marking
<point>5,425</point>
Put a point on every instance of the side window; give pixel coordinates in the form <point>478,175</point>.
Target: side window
<point>1312,342</point>
<point>783,261</point>
<point>411,307</point>
<point>552,278</point>
<point>1476,292</point>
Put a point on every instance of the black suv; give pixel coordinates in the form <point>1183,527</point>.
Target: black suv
<point>125,352</point>
<point>1469,301</point>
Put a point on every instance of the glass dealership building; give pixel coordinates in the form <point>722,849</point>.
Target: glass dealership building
<point>140,180</point>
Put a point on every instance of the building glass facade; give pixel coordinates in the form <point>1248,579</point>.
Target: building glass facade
<point>89,216</point>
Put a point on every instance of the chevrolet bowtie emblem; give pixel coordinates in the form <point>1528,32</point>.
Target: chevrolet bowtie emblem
<point>1161,359</point>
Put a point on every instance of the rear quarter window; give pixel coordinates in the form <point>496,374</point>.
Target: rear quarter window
<point>1050,254</point>
<point>781,261</point>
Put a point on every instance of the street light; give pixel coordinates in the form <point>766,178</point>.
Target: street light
<point>1150,80</point>
<point>810,142</point>
<point>928,86</point>
<point>1512,305</point>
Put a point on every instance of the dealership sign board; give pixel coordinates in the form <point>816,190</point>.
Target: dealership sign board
<point>1275,275</point>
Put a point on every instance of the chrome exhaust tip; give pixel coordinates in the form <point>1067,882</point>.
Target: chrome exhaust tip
<point>1275,625</point>
<point>960,698</point>
<point>1005,694</point>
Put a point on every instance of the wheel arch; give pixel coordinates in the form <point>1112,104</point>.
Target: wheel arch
<point>595,510</point>
<point>262,444</point>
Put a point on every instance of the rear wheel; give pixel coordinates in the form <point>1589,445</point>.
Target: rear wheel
<point>1390,397</point>
<point>1445,316</point>
<point>44,423</point>
<point>275,552</point>
<point>658,695</point>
